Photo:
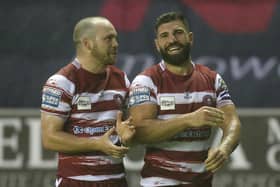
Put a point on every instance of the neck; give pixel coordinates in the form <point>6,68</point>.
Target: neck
<point>91,65</point>
<point>183,69</point>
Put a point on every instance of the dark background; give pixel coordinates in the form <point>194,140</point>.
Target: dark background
<point>239,39</point>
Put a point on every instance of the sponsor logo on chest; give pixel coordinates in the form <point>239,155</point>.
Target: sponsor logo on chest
<point>84,103</point>
<point>188,95</point>
<point>167,102</point>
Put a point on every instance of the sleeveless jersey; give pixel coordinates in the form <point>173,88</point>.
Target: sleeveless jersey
<point>182,157</point>
<point>89,103</point>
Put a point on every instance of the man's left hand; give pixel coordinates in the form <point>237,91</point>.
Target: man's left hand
<point>216,159</point>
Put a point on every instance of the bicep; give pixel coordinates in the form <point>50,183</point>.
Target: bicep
<point>143,112</point>
<point>51,123</point>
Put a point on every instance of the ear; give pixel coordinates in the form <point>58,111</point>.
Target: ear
<point>87,44</point>
<point>190,35</point>
<point>157,45</point>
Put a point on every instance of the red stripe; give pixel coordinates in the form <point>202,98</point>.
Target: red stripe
<point>90,123</point>
<point>178,156</point>
<point>195,178</point>
<point>66,98</point>
<point>71,167</point>
<point>99,107</point>
<point>66,182</point>
<point>55,112</point>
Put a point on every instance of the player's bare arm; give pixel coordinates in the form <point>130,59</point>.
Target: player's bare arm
<point>231,134</point>
<point>54,138</point>
<point>149,129</point>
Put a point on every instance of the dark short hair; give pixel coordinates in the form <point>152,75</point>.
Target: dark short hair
<point>171,16</point>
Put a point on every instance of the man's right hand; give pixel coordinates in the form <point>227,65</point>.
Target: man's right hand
<point>207,116</point>
<point>107,146</point>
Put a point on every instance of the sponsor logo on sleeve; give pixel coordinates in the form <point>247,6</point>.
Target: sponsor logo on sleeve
<point>51,96</point>
<point>222,84</point>
<point>139,95</point>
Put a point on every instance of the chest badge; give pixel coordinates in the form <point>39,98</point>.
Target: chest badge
<point>167,103</point>
<point>84,103</point>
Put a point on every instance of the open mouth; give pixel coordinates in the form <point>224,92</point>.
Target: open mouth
<point>174,49</point>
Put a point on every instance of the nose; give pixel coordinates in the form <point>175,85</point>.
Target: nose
<point>172,38</point>
<point>115,43</point>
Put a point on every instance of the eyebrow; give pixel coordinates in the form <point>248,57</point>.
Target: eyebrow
<point>110,35</point>
<point>176,29</point>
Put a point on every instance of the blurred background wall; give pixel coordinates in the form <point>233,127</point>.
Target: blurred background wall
<point>238,38</point>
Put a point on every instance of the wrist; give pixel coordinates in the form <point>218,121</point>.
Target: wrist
<point>94,144</point>
<point>226,148</point>
<point>187,119</point>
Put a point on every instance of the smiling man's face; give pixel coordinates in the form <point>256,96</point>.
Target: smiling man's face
<point>174,42</point>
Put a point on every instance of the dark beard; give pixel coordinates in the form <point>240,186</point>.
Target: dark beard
<point>177,59</point>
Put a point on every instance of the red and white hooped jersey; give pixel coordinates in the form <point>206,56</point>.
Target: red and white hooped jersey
<point>182,157</point>
<point>89,103</point>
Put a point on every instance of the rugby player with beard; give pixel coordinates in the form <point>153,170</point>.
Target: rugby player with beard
<point>175,105</point>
